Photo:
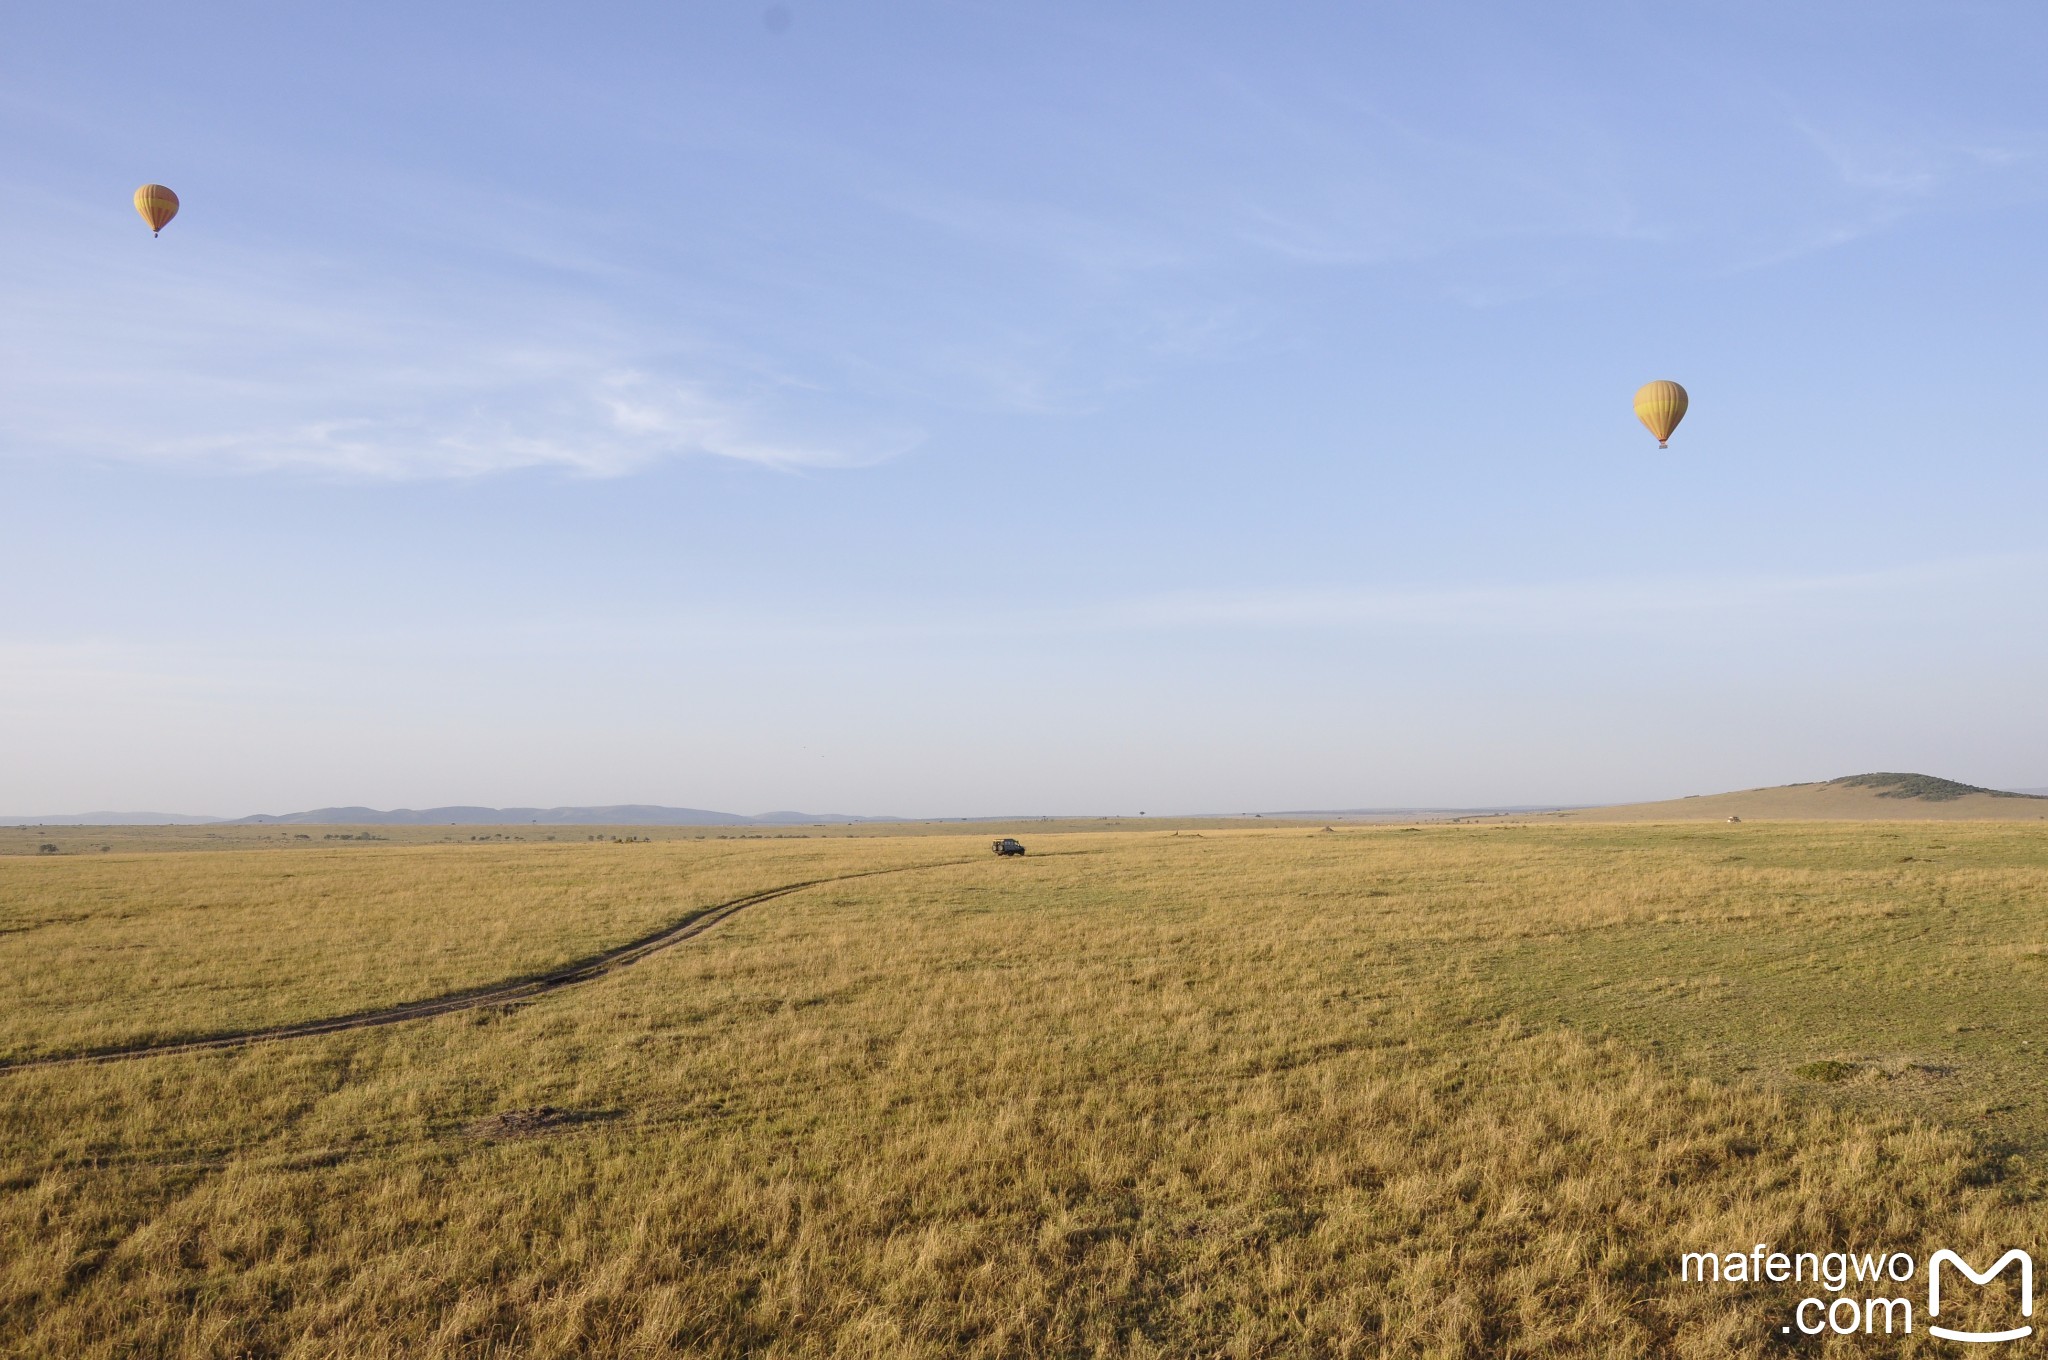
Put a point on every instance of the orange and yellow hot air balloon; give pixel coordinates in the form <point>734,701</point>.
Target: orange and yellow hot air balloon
<point>1660,406</point>
<point>157,205</point>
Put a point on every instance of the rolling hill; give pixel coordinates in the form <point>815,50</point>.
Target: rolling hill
<point>1861,797</point>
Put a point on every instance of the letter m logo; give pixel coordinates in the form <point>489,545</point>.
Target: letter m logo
<point>1980,1277</point>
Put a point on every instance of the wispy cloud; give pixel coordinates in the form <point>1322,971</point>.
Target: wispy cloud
<point>569,416</point>
<point>1696,608</point>
<point>1108,243</point>
<point>1517,609</point>
<point>856,279</point>
<point>247,358</point>
<point>1544,607</point>
<point>1864,176</point>
<point>1914,166</point>
<point>491,414</point>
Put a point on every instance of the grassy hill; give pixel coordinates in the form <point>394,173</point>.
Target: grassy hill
<point>1860,797</point>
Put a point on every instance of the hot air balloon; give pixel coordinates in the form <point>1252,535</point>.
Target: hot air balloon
<point>157,205</point>
<point>1660,406</point>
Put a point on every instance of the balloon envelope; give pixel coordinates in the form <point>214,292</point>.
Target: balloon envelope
<point>1660,406</point>
<point>157,205</point>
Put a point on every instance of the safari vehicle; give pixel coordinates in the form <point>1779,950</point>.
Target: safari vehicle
<point>1006,846</point>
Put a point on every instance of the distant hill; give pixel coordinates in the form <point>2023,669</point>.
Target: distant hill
<point>1858,797</point>
<point>1853,797</point>
<point>625,814</point>
<point>1918,786</point>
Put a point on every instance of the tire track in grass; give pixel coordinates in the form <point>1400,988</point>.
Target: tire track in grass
<point>511,991</point>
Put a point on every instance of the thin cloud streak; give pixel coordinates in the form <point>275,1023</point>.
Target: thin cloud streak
<point>1878,179</point>
<point>1513,610</point>
<point>1653,607</point>
<point>282,363</point>
<point>606,424</point>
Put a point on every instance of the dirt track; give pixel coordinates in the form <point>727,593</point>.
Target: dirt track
<point>511,991</point>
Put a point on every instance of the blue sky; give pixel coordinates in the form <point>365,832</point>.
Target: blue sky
<point>962,409</point>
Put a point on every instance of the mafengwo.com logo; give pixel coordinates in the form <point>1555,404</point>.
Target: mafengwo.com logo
<point>1875,1293</point>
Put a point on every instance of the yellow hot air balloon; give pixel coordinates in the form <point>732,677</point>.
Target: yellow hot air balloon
<point>157,205</point>
<point>1660,406</point>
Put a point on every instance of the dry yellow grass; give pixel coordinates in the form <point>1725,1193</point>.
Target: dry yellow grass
<point>1246,1094</point>
<point>116,948</point>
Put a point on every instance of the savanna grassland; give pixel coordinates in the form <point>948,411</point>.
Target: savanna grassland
<point>1420,1092</point>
